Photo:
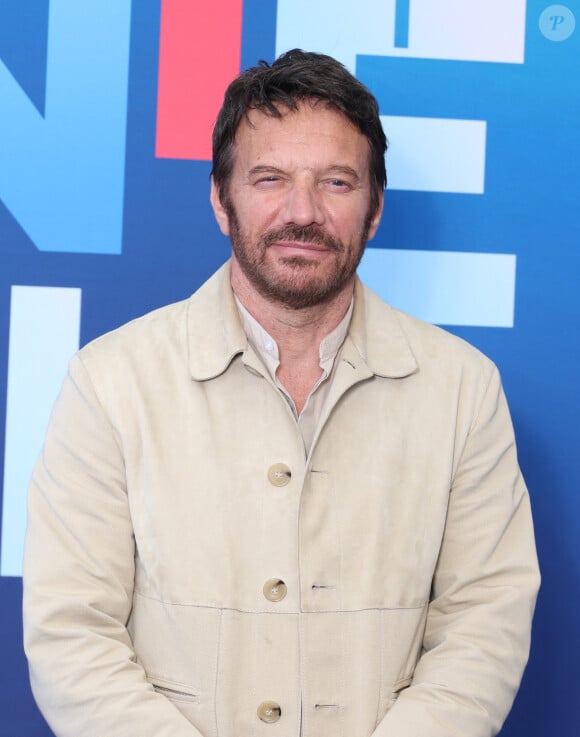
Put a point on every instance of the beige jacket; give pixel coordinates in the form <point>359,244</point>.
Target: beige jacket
<point>186,564</point>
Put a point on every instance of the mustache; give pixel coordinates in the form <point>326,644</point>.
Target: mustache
<point>302,234</point>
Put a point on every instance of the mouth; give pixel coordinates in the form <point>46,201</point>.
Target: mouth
<point>299,248</point>
<point>304,241</point>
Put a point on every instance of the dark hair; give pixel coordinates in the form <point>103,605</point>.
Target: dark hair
<point>294,77</point>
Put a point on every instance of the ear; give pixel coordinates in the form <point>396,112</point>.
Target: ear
<point>376,219</point>
<point>218,209</point>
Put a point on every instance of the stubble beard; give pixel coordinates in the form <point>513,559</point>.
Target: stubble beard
<point>303,287</point>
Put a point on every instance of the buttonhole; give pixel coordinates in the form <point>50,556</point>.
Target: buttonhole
<point>325,706</point>
<point>349,363</point>
<point>321,586</point>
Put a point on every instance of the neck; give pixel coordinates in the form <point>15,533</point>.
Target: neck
<point>297,332</point>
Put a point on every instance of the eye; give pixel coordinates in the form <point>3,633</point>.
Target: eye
<point>340,185</point>
<point>269,180</point>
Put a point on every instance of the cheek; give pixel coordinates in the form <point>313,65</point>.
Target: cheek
<point>258,219</point>
<point>350,228</point>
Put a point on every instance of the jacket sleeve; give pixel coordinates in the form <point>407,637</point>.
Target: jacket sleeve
<point>78,581</point>
<point>477,636</point>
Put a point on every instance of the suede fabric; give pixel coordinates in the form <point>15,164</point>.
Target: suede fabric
<point>404,539</point>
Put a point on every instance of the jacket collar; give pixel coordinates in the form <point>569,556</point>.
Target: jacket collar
<point>378,336</point>
<point>216,335</point>
<point>215,332</point>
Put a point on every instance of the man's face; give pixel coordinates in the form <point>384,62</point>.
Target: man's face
<point>297,206</point>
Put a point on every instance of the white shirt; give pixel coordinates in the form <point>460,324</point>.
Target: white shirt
<point>267,349</point>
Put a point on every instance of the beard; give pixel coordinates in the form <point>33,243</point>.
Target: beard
<point>303,285</point>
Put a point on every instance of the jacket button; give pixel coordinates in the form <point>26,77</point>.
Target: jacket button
<point>269,712</point>
<point>275,589</point>
<point>279,474</point>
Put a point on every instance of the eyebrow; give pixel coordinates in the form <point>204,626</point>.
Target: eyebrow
<point>346,170</point>
<point>264,169</point>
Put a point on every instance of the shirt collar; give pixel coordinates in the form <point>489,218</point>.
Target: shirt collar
<point>216,333</point>
<point>267,348</point>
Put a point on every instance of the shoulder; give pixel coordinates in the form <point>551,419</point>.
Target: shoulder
<point>162,330</point>
<point>141,339</point>
<point>430,345</point>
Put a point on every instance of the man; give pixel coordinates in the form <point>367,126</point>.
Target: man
<point>281,507</point>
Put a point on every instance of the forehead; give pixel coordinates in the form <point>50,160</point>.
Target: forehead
<point>311,134</point>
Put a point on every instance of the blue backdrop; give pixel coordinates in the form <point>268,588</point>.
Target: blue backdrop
<point>99,223</point>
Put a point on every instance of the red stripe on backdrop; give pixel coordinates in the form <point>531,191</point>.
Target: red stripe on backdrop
<point>199,54</point>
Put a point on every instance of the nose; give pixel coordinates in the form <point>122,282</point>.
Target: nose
<point>303,204</point>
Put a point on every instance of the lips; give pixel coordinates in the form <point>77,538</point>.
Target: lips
<point>301,246</point>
